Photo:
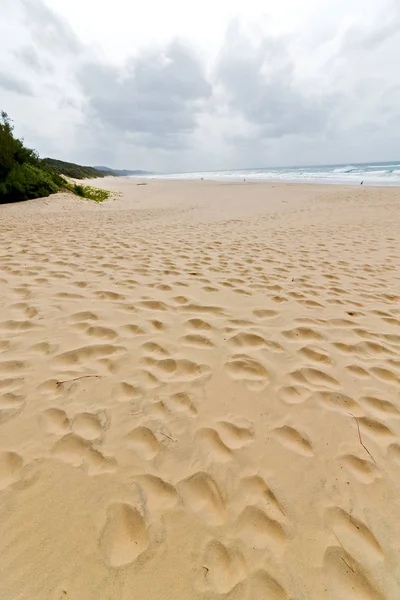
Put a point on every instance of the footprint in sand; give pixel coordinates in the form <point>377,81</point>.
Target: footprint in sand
<point>160,495</point>
<point>29,311</point>
<point>143,441</point>
<point>177,370</point>
<point>337,402</point>
<point>83,316</point>
<point>224,567</point>
<point>154,305</point>
<point>88,426</point>
<point>261,585</point>
<point>11,464</point>
<point>248,370</point>
<point>10,383</point>
<point>393,453</point>
<point>235,436</point>
<point>201,494</point>
<point>363,470</point>
<point>379,407</point>
<point>199,325</point>
<point>158,325</point>
<point>11,404</point>
<point>262,313</point>
<point>358,371</point>
<point>126,392</point>
<point>353,534</point>
<point>44,348</point>
<point>11,401</point>
<point>180,402</point>
<point>315,354</point>
<point>12,367</point>
<point>197,341</point>
<point>293,394</point>
<point>124,536</point>
<point>132,330</point>
<point>259,530</point>
<point>385,375</point>
<point>294,440</point>
<point>97,331</point>
<point>246,342</point>
<point>55,420</point>
<point>80,356</point>
<point>375,430</point>
<point>154,350</point>
<point>254,489</point>
<point>345,577</point>
<point>212,444</point>
<point>301,334</point>
<point>77,452</point>
<point>314,377</point>
<point>16,326</point>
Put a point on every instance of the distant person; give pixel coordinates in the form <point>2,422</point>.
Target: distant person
<point>362,182</point>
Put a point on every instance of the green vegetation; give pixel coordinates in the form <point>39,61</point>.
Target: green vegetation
<point>24,176</point>
<point>21,174</point>
<point>73,170</point>
<point>89,192</point>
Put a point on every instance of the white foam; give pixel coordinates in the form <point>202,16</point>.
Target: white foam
<point>369,174</point>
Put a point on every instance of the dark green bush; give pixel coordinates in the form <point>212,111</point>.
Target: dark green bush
<point>21,175</point>
<point>78,190</point>
<point>24,176</point>
<point>25,182</point>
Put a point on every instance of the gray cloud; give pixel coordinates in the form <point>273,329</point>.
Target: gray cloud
<point>29,56</point>
<point>49,30</point>
<point>154,98</point>
<point>381,32</point>
<point>259,82</point>
<point>13,84</point>
<point>268,98</point>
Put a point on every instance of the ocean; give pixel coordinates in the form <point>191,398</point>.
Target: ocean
<point>384,173</point>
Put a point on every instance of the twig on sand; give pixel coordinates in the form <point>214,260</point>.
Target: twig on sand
<point>281,509</point>
<point>167,436</point>
<point>345,561</point>
<point>75,379</point>
<point>347,565</point>
<point>360,438</point>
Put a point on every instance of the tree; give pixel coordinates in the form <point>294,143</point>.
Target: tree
<point>21,174</point>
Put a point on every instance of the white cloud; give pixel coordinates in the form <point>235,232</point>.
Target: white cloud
<point>179,86</point>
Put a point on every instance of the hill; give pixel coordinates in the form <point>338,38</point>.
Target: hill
<point>23,176</point>
<point>85,172</point>
<point>72,170</point>
<point>121,172</point>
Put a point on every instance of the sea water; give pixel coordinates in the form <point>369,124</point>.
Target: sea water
<point>376,173</point>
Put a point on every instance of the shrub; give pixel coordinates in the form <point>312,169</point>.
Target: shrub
<point>26,181</point>
<point>24,176</point>
<point>21,175</point>
<point>79,190</point>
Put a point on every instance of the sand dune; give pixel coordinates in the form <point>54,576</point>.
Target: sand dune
<point>199,394</point>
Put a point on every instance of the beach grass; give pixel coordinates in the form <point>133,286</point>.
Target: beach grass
<point>87,191</point>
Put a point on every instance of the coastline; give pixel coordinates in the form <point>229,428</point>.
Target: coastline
<point>203,370</point>
<point>370,174</point>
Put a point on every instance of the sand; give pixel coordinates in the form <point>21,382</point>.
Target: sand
<point>199,394</point>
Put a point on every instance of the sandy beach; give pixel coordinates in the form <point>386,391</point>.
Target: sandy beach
<point>200,393</point>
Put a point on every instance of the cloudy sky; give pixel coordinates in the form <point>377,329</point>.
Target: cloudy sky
<point>219,84</point>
